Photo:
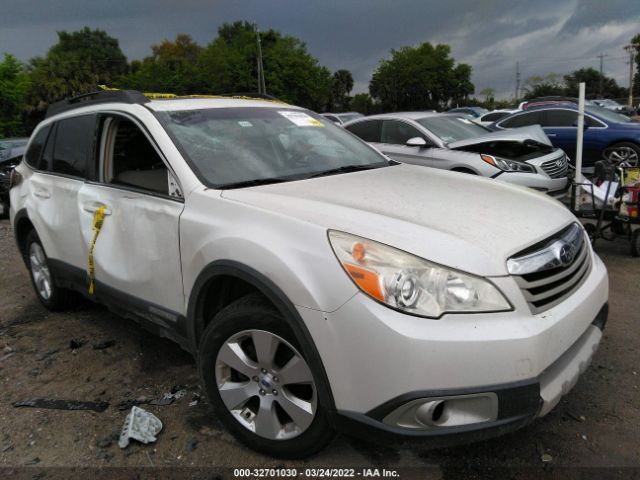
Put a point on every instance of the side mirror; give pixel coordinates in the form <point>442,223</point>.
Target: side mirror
<point>416,142</point>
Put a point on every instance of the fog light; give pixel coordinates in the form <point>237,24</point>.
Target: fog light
<point>442,412</point>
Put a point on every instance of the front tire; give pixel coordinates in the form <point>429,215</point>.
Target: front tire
<point>48,292</point>
<point>259,381</point>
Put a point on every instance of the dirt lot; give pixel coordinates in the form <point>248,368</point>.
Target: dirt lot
<point>596,426</point>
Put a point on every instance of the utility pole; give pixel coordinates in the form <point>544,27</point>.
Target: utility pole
<point>630,48</point>
<point>517,79</point>
<point>262,89</point>
<point>601,57</point>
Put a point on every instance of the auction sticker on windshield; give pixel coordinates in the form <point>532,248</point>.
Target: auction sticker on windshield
<point>301,119</point>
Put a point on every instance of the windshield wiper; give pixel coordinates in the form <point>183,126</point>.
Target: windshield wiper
<point>347,169</point>
<point>255,182</point>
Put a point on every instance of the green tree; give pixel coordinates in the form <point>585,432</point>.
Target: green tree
<point>421,77</point>
<point>229,65</point>
<point>593,80</point>
<point>363,103</point>
<point>14,84</point>
<point>544,85</point>
<point>78,63</point>
<point>342,83</point>
<point>172,68</point>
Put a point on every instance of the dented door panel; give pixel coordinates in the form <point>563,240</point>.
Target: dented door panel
<point>138,249</point>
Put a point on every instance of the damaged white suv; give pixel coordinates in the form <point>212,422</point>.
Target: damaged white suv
<point>319,285</point>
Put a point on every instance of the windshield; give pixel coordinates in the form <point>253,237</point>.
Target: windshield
<point>452,128</point>
<point>606,114</point>
<point>233,147</point>
<point>348,117</point>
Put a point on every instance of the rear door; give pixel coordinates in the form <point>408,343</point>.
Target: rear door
<point>60,174</point>
<point>137,253</point>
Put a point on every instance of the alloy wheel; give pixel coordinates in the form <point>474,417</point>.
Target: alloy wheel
<point>624,155</point>
<point>266,384</point>
<point>40,270</point>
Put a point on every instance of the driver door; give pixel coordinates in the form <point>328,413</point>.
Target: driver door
<point>137,254</point>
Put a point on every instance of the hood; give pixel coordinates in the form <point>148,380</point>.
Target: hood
<point>462,221</point>
<point>533,132</point>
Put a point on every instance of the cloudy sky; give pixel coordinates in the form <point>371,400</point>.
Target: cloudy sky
<point>491,35</point>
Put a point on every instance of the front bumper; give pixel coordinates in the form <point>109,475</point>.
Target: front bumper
<point>376,359</point>
<point>518,403</point>
<point>537,181</point>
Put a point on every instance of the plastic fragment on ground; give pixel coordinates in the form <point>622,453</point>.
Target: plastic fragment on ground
<point>139,425</point>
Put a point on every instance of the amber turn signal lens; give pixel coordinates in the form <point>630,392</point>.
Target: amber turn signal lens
<point>367,280</point>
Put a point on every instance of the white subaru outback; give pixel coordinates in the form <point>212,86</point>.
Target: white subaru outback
<point>320,286</point>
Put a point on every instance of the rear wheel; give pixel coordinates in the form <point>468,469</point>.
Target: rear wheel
<point>50,295</point>
<point>624,152</point>
<point>259,381</point>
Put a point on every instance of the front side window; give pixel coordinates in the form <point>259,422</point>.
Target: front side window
<point>234,147</point>
<point>32,157</point>
<point>524,120</point>
<point>73,145</point>
<point>397,133</point>
<point>129,159</point>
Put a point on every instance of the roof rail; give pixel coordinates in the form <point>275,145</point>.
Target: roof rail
<point>93,98</point>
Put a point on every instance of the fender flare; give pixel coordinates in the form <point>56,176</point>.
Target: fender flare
<point>195,318</point>
<point>18,217</point>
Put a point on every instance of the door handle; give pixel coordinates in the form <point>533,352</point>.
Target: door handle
<point>41,193</point>
<point>551,134</point>
<point>92,207</point>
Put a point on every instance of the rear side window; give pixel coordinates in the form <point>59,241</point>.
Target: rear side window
<point>369,131</point>
<point>524,120</point>
<point>73,144</point>
<point>561,118</point>
<point>32,157</point>
<point>397,133</point>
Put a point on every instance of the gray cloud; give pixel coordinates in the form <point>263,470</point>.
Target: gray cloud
<point>544,36</point>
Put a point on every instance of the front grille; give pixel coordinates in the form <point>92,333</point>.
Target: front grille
<point>556,168</point>
<point>547,287</point>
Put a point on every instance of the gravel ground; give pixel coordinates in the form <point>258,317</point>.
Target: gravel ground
<point>592,433</point>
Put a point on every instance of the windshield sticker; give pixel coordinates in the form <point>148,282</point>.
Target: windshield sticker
<point>244,123</point>
<point>301,119</point>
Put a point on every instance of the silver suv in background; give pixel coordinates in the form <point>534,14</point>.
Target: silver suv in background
<point>522,156</point>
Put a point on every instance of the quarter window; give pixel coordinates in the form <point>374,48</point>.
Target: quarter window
<point>397,133</point>
<point>73,144</point>
<point>32,157</point>
<point>369,131</point>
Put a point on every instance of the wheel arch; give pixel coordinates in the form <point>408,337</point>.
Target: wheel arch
<point>22,225</point>
<point>223,271</point>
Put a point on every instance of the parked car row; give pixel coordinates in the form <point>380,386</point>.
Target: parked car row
<point>447,141</point>
<point>11,152</point>
<point>319,285</point>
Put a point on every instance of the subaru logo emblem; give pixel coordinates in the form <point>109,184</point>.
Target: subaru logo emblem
<point>565,254</point>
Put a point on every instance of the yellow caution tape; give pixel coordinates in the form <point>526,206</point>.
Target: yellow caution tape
<point>98,219</point>
<point>172,96</point>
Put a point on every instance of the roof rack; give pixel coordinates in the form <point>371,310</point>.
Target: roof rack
<point>108,95</point>
<point>93,98</point>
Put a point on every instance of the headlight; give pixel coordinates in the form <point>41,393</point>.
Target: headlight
<point>411,284</point>
<point>508,165</point>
